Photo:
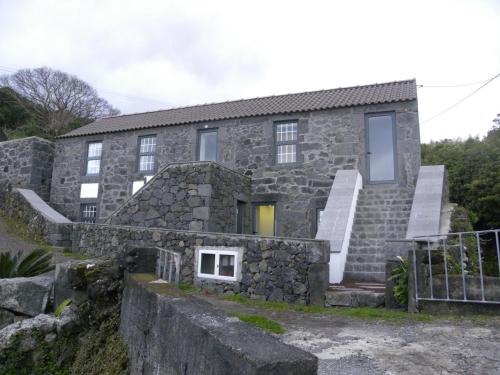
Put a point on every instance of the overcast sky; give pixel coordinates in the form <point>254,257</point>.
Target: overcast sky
<point>148,55</point>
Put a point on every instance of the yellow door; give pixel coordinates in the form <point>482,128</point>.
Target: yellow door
<point>264,220</point>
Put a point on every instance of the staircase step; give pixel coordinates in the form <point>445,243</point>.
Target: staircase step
<point>365,267</point>
<point>354,298</point>
<point>364,276</point>
<point>376,257</point>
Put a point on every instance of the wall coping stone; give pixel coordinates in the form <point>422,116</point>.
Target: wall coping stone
<point>43,208</point>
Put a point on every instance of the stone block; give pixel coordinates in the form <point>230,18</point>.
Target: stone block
<point>201,213</point>
<point>26,295</point>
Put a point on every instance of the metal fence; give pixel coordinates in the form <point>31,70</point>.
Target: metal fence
<point>168,265</point>
<point>458,267</point>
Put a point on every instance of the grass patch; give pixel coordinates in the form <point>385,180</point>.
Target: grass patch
<point>261,322</point>
<point>18,229</point>
<point>70,254</point>
<point>359,312</point>
<point>163,289</point>
<point>187,288</point>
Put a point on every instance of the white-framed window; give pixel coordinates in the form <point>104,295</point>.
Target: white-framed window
<point>286,142</point>
<point>94,153</point>
<point>147,150</point>
<point>89,190</point>
<point>88,213</point>
<point>218,264</point>
<point>137,185</point>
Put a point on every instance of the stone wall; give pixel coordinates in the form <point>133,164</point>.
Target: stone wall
<point>329,140</point>
<point>272,268</point>
<point>200,196</point>
<point>170,335</point>
<point>27,163</point>
<point>43,222</point>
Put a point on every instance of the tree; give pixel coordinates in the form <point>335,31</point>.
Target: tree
<point>12,114</point>
<point>58,101</point>
<point>473,174</point>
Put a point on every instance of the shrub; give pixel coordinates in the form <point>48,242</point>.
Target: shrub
<point>35,263</point>
<point>400,277</point>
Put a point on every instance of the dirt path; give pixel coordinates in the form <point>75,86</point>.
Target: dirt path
<point>356,346</point>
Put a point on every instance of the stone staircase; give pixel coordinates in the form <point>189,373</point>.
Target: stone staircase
<point>382,213</point>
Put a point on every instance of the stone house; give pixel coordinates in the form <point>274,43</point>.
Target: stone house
<point>290,146</point>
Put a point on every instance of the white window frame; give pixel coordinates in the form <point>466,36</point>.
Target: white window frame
<point>217,254</point>
<point>140,182</point>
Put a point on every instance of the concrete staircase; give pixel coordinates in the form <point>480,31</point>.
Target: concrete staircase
<point>382,213</point>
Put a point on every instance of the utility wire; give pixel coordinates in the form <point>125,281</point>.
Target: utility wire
<point>462,100</point>
<point>452,86</point>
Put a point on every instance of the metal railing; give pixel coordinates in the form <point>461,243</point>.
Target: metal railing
<point>168,265</point>
<point>458,267</point>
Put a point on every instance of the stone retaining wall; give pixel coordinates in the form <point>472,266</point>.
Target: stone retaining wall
<point>171,335</point>
<point>27,163</point>
<point>42,221</point>
<point>197,196</point>
<point>272,268</point>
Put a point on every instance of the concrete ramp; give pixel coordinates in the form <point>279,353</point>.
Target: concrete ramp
<point>429,199</point>
<point>337,220</point>
<point>43,208</point>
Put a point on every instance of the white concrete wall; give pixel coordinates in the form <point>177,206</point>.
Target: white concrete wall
<point>425,216</point>
<point>338,217</point>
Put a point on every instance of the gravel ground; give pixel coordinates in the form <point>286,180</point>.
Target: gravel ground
<point>354,346</point>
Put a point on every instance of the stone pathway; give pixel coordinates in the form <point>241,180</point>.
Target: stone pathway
<point>353,346</point>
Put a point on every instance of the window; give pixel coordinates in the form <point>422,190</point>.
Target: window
<point>207,145</point>
<point>137,185</point>
<point>94,153</point>
<point>147,149</point>
<point>218,264</point>
<point>90,190</point>
<point>286,142</point>
<point>88,213</point>
<point>264,219</point>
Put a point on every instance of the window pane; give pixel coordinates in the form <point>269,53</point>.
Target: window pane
<point>264,220</point>
<point>208,146</point>
<point>381,148</point>
<point>93,166</point>
<point>226,265</point>
<point>148,145</point>
<point>286,154</point>
<point>286,132</point>
<point>95,150</point>
<point>89,213</point>
<point>89,190</point>
<point>146,163</point>
<point>208,264</point>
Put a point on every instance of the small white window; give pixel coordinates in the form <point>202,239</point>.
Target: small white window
<point>136,186</point>
<point>218,264</point>
<point>89,190</point>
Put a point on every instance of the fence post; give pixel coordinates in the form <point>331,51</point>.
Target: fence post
<point>412,278</point>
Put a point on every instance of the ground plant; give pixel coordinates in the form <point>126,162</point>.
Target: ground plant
<point>399,276</point>
<point>17,265</point>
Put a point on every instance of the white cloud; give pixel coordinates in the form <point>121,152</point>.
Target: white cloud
<point>169,53</point>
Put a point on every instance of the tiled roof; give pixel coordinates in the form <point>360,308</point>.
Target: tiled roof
<point>306,101</point>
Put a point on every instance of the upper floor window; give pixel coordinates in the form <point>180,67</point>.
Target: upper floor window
<point>147,149</point>
<point>286,142</point>
<point>207,145</point>
<point>94,153</point>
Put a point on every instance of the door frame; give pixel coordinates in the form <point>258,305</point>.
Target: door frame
<point>254,216</point>
<point>392,114</point>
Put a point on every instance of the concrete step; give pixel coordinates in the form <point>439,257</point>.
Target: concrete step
<point>364,276</point>
<point>380,221</point>
<point>376,257</point>
<point>365,267</point>
<point>367,228</point>
<point>372,214</point>
<point>354,298</point>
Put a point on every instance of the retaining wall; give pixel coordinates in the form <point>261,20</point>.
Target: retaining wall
<point>169,335</point>
<point>272,268</point>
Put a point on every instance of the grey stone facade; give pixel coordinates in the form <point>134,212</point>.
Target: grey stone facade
<point>328,141</point>
<point>197,196</point>
<point>273,268</point>
<point>27,163</point>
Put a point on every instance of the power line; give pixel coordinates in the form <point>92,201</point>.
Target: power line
<point>453,86</point>
<point>462,100</point>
